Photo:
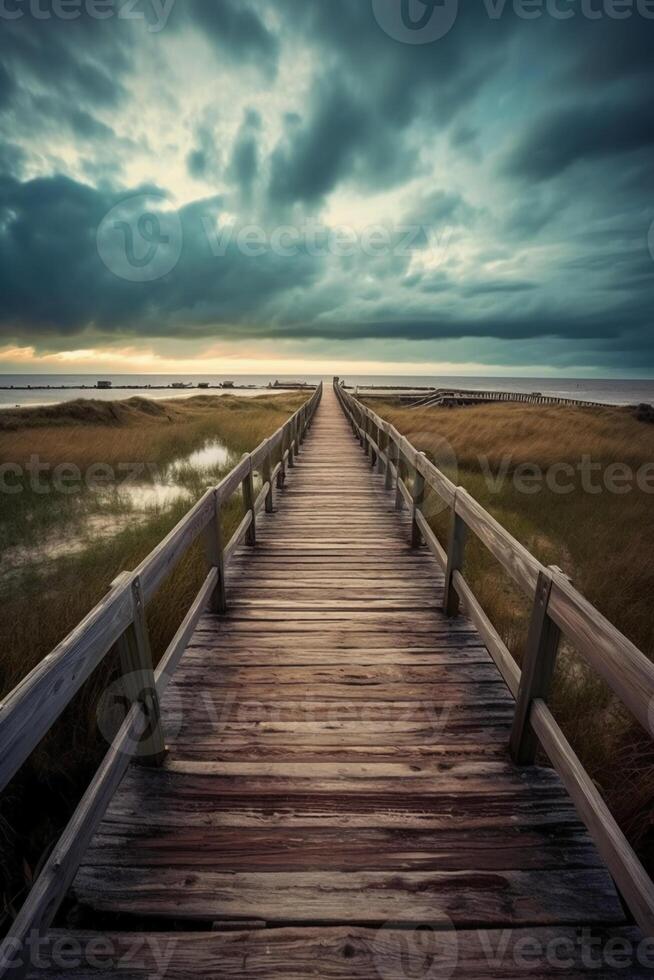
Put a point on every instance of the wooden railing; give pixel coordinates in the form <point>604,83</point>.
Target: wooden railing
<point>452,396</point>
<point>118,622</point>
<point>558,610</point>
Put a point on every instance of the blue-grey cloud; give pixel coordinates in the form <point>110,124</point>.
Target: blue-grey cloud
<point>522,156</point>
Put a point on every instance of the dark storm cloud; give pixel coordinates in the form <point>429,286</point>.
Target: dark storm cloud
<point>48,231</point>
<point>84,58</point>
<point>533,141</point>
<point>235,27</point>
<point>583,132</point>
<point>58,217</point>
<point>7,86</point>
<point>314,157</point>
<point>204,161</point>
<point>243,166</point>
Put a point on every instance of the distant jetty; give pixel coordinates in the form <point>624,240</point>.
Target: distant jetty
<point>428,397</point>
<point>173,386</point>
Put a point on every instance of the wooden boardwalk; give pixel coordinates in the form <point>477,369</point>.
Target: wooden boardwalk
<point>338,772</point>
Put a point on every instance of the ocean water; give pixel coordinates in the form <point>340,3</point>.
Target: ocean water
<point>40,389</point>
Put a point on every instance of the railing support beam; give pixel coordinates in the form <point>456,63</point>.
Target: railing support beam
<point>455,557</point>
<point>391,455</point>
<point>248,503</point>
<point>418,501</point>
<point>267,478</point>
<point>537,672</point>
<point>215,551</point>
<point>138,680</point>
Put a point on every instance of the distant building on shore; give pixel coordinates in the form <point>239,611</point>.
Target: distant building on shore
<point>104,384</point>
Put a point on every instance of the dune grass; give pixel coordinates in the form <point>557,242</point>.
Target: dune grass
<point>44,600</point>
<point>600,531</point>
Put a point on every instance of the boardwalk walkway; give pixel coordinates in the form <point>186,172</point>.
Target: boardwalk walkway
<point>338,771</point>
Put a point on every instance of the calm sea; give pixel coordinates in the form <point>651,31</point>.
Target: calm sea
<point>47,388</point>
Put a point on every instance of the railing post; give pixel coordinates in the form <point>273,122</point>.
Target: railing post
<point>455,556</point>
<point>297,428</point>
<point>399,499</point>
<point>248,501</point>
<point>138,680</point>
<point>390,446</point>
<point>266,472</point>
<point>383,452</point>
<point>366,434</point>
<point>281,472</point>
<point>418,495</point>
<point>380,444</point>
<point>537,671</point>
<point>214,547</point>
<point>289,443</point>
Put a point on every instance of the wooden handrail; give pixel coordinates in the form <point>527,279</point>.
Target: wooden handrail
<point>558,610</point>
<point>31,709</point>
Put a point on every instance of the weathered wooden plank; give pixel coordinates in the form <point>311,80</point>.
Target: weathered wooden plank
<point>445,724</point>
<point>188,707</point>
<point>370,676</point>
<point>348,952</point>
<point>151,805</point>
<point>327,848</point>
<point>464,897</point>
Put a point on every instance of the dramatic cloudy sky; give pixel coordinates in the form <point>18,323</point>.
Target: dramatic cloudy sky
<point>244,184</point>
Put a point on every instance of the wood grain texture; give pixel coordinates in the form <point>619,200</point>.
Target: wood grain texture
<point>355,953</point>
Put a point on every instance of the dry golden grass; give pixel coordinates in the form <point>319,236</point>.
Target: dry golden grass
<point>137,430</point>
<point>603,540</point>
